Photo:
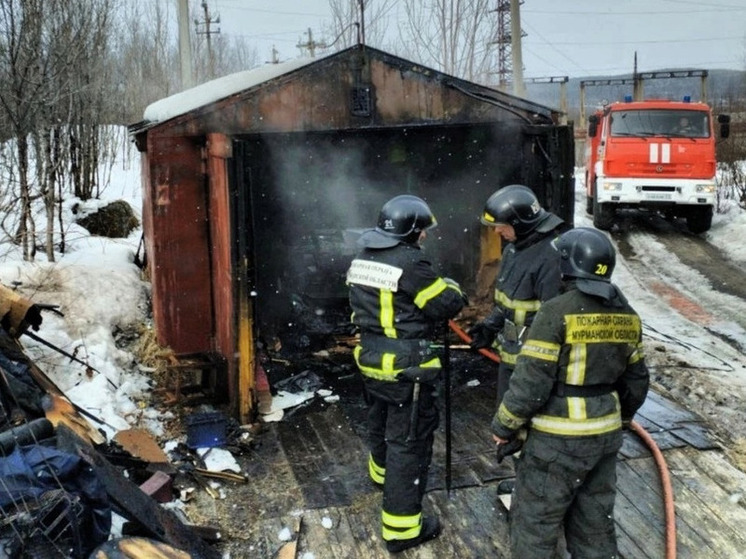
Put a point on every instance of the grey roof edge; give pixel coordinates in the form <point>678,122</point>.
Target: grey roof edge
<point>245,83</point>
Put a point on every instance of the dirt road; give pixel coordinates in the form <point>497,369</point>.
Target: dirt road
<point>692,299</point>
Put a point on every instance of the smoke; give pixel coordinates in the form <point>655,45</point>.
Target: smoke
<point>311,195</point>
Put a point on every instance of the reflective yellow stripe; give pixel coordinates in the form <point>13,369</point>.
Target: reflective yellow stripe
<point>386,301</point>
<point>434,363</point>
<point>577,427</point>
<point>396,527</point>
<point>637,354</point>
<point>525,305</point>
<point>431,291</point>
<point>577,364</point>
<point>387,363</point>
<point>546,351</point>
<point>602,328</point>
<point>401,521</point>
<point>508,358</point>
<point>376,472</point>
<point>576,408</point>
<point>509,419</point>
<point>387,371</point>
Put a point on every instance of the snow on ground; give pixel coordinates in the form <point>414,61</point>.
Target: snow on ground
<point>689,359</point>
<point>101,293</point>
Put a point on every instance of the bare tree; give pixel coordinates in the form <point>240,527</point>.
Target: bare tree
<point>454,36</point>
<point>145,58</point>
<point>226,55</point>
<point>360,20</point>
<point>51,55</point>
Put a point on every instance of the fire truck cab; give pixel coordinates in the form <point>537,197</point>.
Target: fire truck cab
<point>655,154</point>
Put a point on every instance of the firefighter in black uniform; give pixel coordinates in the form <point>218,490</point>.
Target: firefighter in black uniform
<point>398,302</point>
<point>580,377</point>
<point>528,275</point>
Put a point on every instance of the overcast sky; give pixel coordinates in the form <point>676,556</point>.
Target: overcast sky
<point>576,38</point>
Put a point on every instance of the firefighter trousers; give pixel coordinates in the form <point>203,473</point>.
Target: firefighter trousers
<point>570,482</point>
<point>401,459</point>
<point>504,372</point>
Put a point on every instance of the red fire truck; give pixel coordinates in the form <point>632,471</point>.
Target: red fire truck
<point>657,155</point>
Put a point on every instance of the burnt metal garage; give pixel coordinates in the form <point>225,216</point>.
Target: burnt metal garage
<point>257,184</point>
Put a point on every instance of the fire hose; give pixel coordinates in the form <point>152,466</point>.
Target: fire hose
<point>660,461</point>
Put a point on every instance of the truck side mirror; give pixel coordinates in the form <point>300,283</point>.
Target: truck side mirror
<point>592,126</point>
<point>724,121</point>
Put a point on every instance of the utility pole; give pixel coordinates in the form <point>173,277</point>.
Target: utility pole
<point>508,41</point>
<point>185,47</point>
<point>516,34</point>
<point>362,21</point>
<point>637,93</point>
<point>275,59</point>
<point>311,45</point>
<point>208,31</point>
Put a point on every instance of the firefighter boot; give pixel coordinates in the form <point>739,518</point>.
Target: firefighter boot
<point>429,531</point>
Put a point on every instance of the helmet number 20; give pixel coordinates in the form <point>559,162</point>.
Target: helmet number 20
<point>601,269</point>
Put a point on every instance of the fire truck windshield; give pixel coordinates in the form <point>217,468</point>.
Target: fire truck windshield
<point>660,122</point>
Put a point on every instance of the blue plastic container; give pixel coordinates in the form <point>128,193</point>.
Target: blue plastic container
<point>206,430</point>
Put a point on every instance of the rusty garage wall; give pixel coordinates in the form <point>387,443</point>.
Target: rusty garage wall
<point>247,193</point>
<point>177,242</point>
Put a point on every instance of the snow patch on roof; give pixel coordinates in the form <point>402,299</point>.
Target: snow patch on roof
<point>220,88</point>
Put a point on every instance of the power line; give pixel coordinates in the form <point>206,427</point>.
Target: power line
<point>636,41</point>
<point>207,23</point>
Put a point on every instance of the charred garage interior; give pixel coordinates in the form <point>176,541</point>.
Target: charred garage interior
<point>256,186</point>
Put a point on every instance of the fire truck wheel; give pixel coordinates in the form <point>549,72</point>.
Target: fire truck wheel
<point>699,219</point>
<point>603,215</point>
<point>589,205</point>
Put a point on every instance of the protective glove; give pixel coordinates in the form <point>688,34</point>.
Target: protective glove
<point>514,444</point>
<point>481,336</point>
<point>511,447</point>
<point>33,317</point>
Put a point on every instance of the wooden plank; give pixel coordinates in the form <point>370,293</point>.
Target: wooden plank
<point>697,435</point>
<point>311,465</point>
<point>471,516</point>
<point>641,522</point>
<point>348,456</point>
<point>705,506</point>
<point>628,530</point>
<point>722,472</point>
<point>666,439</point>
<point>474,523</point>
<point>633,446</point>
<point>664,412</point>
<point>648,498</point>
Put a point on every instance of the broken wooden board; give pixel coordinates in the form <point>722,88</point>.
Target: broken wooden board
<point>140,443</point>
<point>159,523</point>
<point>137,548</point>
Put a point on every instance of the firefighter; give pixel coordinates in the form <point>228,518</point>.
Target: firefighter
<point>684,128</point>
<point>579,379</point>
<point>398,303</point>
<point>528,275</point>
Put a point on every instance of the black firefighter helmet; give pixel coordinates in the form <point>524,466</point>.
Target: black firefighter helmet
<point>587,255</point>
<point>517,205</point>
<point>401,220</point>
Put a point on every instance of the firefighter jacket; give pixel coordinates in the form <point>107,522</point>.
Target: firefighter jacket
<point>397,301</point>
<point>581,370</point>
<point>529,274</point>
